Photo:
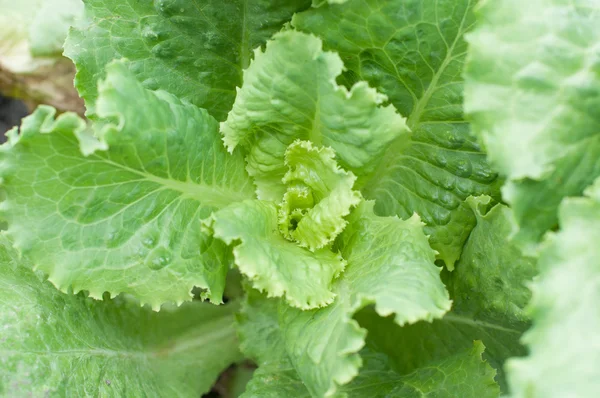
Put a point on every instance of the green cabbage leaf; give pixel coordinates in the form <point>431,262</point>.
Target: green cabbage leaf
<point>56,344</point>
<point>386,193</point>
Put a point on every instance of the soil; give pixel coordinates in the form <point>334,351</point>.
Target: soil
<point>11,113</point>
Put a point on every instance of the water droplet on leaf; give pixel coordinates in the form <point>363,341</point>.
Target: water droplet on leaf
<point>149,242</point>
<point>158,259</point>
<point>464,168</point>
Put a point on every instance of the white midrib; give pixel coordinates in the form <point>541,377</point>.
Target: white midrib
<point>314,134</point>
<point>208,195</point>
<point>221,330</point>
<point>481,324</point>
<point>415,117</point>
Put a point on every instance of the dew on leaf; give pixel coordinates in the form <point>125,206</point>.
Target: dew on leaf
<point>440,217</point>
<point>485,174</point>
<point>441,159</point>
<point>454,141</point>
<point>149,34</point>
<point>158,259</point>
<point>447,183</point>
<point>163,50</point>
<point>448,200</point>
<point>464,168</point>
<point>152,84</point>
<point>169,8</point>
<point>149,242</point>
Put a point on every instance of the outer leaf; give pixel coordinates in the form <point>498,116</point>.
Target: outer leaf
<point>54,344</point>
<point>489,294</point>
<point>537,111</point>
<point>463,375</point>
<point>127,219</point>
<point>563,343</point>
<point>290,93</point>
<point>40,26</point>
<point>413,52</point>
<point>390,264</point>
<point>258,328</point>
<point>48,30</point>
<point>314,216</point>
<point>261,339</point>
<point>196,51</point>
<point>272,263</point>
<point>460,375</point>
<point>274,382</point>
<point>493,273</point>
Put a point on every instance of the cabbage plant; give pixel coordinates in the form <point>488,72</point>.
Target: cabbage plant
<point>362,198</point>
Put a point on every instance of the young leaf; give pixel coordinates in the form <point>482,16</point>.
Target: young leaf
<point>193,50</point>
<point>126,219</point>
<point>391,265</point>
<point>271,262</point>
<point>290,93</point>
<point>319,198</point>
<point>413,52</point>
<point>537,110</point>
<point>563,343</point>
<point>54,344</point>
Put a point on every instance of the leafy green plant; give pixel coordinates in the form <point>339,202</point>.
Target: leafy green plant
<point>313,166</point>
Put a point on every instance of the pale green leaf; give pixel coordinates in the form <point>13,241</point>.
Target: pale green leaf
<point>391,265</point>
<point>48,29</point>
<point>32,29</point>
<point>290,93</point>
<point>413,51</point>
<point>54,344</point>
<point>533,94</point>
<point>15,54</point>
<point>564,347</point>
<point>194,50</point>
<point>319,196</point>
<point>271,262</point>
<point>127,219</point>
